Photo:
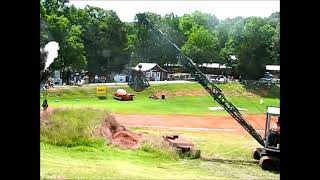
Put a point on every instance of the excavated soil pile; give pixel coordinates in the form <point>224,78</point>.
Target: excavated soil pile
<point>44,115</point>
<point>118,135</point>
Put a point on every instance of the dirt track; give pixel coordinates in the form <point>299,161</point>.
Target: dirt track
<point>206,123</point>
<point>191,122</point>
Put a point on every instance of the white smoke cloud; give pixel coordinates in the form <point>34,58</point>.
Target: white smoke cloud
<point>52,48</point>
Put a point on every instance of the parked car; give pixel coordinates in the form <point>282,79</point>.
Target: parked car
<point>268,75</point>
<point>218,79</point>
<point>277,81</point>
<point>222,79</point>
<point>266,81</point>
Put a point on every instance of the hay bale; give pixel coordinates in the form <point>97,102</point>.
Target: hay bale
<point>121,92</point>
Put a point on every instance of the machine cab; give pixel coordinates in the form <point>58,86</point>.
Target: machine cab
<point>272,130</point>
<point>269,155</point>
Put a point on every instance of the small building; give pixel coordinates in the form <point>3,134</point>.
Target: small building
<point>152,71</point>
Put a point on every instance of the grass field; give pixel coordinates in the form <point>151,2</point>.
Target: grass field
<point>70,151</point>
<point>93,159</point>
<point>238,94</point>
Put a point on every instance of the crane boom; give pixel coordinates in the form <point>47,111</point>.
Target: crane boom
<point>210,87</point>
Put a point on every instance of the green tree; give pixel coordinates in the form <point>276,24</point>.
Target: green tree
<point>254,51</point>
<point>106,41</point>
<point>149,44</point>
<point>275,47</point>
<point>202,46</point>
<point>170,26</point>
<point>58,28</point>
<point>150,47</point>
<point>75,49</point>
<point>54,6</point>
<point>186,23</point>
<point>207,20</point>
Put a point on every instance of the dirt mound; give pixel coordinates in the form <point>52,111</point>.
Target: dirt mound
<point>118,135</point>
<point>127,139</point>
<point>44,115</point>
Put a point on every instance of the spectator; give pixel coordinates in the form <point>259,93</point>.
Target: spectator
<point>86,79</point>
<point>96,79</point>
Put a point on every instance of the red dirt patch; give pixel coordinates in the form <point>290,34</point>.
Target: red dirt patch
<point>118,135</point>
<point>127,139</point>
<point>201,92</point>
<point>180,93</point>
<point>184,121</point>
<point>44,114</point>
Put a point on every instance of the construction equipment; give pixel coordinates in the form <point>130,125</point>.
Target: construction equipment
<point>269,157</point>
<point>137,81</point>
<point>183,147</point>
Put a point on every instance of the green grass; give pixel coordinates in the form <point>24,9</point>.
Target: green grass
<point>107,162</point>
<point>69,151</point>
<point>72,127</point>
<point>231,153</point>
<point>187,105</point>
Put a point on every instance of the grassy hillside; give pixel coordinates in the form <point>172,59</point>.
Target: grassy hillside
<point>69,152</point>
<point>188,99</point>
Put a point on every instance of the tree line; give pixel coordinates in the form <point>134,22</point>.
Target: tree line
<point>96,40</point>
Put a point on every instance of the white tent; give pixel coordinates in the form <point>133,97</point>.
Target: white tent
<point>147,66</point>
<point>214,65</point>
<point>273,67</point>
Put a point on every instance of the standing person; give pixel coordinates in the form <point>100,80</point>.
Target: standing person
<point>96,79</point>
<point>68,75</point>
<point>102,79</point>
<point>45,104</point>
<point>86,79</point>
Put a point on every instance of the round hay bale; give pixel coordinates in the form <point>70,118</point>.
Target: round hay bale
<point>121,92</point>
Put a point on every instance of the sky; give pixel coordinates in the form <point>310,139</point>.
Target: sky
<point>126,10</point>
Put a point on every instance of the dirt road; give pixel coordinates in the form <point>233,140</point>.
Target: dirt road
<point>226,123</point>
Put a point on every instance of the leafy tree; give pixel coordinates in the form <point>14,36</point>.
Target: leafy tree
<point>106,41</point>
<point>202,46</point>
<point>75,48</point>
<point>186,23</point>
<point>95,39</point>
<point>253,52</point>
<point>207,20</point>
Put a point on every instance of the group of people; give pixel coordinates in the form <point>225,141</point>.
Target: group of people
<point>47,84</point>
<point>101,79</point>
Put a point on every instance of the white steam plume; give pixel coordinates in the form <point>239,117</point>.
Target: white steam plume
<point>52,48</point>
